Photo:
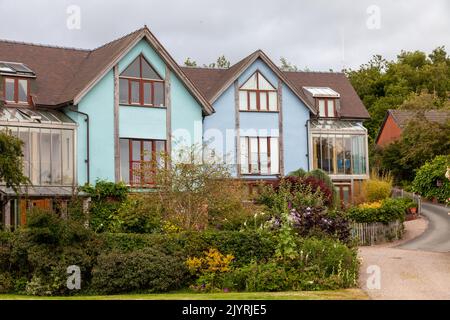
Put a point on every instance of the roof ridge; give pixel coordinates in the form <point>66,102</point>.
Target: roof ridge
<point>44,45</point>
<point>120,38</point>
<point>325,72</point>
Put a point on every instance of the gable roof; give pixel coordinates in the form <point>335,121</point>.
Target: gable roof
<point>212,83</point>
<point>64,75</point>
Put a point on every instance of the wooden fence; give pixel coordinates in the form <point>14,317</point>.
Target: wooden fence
<point>400,193</point>
<point>367,234</point>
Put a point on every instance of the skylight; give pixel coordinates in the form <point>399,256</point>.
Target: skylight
<point>15,68</point>
<point>322,92</point>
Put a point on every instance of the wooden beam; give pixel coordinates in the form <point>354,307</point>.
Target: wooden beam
<point>280,125</point>
<point>116,124</point>
<point>168,103</point>
<point>237,127</point>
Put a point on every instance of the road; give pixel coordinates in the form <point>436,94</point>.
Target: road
<point>417,267</point>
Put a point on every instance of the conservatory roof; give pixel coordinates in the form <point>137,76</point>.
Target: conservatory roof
<point>37,116</point>
<point>41,191</point>
<point>337,125</point>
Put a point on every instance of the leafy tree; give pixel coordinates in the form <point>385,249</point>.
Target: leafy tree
<point>221,63</point>
<point>287,66</point>
<point>190,63</point>
<point>11,161</point>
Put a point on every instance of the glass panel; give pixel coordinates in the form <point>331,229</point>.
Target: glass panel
<point>316,153</point>
<point>160,152</point>
<point>340,154</point>
<point>274,156</point>
<point>125,160</point>
<point>330,108</point>
<point>327,154</point>
<point>322,108</point>
<point>133,70</point>
<point>147,93</point>
<point>254,155</point>
<point>24,135</point>
<point>46,156</point>
<point>264,84</point>
<point>251,83</point>
<point>147,151</point>
<point>263,156</point>
<point>67,156</point>
<point>56,157</point>
<point>244,155</point>
<point>9,89</point>
<point>135,92</point>
<point>34,156</point>
<point>159,94</point>
<point>148,72</point>
<point>243,100</point>
<point>123,91</point>
<point>348,155</point>
<point>272,101</point>
<point>252,100</point>
<point>23,90</point>
<point>263,101</point>
<point>136,150</point>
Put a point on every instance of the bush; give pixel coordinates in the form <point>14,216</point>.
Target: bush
<point>6,282</point>
<point>144,270</point>
<point>377,188</point>
<point>386,211</point>
<point>427,177</point>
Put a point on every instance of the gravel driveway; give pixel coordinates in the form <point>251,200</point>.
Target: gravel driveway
<point>417,267</point>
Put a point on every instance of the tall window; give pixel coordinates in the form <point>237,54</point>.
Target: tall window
<point>259,155</point>
<point>141,85</point>
<point>16,90</point>
<point>139,160</point>
<point>258,94</point>
<point>327,108</point>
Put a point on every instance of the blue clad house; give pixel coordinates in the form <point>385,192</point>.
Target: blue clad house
<point>107,113</point>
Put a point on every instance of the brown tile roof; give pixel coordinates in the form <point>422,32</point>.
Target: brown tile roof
<point>210,82</point>
<point>402,117</point>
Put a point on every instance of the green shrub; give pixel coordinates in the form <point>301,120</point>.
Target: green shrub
<point>376,189</point>
<point>144,270</point>
<point>427,177</point>
<point>389,210</point>
<point>6,282</point>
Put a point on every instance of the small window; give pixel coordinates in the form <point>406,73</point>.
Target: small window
<point>257,94</point>
<point>327,108</point>
<point>259,155</point>
<point>141,85</point>
<point>16,90</point>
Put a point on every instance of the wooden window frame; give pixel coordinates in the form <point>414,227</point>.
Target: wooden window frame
<point>141,82</point>
<point>269,156</point>
<point>151,162</point>
<point>257,91</point>
<point>327,101</point>
<point>16,91</point>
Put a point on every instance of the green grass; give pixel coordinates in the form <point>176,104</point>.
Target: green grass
<point>345,294</point>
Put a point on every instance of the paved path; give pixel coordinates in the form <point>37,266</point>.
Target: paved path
<point>417,267</point>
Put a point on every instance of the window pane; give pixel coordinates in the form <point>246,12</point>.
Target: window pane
<point>147,93</point>
<point>136,150</point>
<point>23,90</point>
<point>123,91</point>
<point>263,101</point>
<point>34,156</point>
<point>330,108</point>
<point>160,152</point>
<point>252,100</point>
<point>147,151</point>
<point>272,101</point>
<point>322,108</point>
<point>244,155</point>
<point>254,155</point>
<point>24,135</point>
<point>274,156</point>
<point>251,83</point>
<point>148,72</point>
<point>45,156</point>
<point>135,92</point>
<point>133,70</point>
<point>264,84</point>
<point>56,157</point>
<point>125,160</point>
<point>67,156</point>
<point>242,100</point>
<point>340,154</point>
<point>159,94</point>
<point>9,89</point>
<point>316,153</point>
<point>263,156</point>
<point>348,155</point>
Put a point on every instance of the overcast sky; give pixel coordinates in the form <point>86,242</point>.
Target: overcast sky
<point>319,35</point>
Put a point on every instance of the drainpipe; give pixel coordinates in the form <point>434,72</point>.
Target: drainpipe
<point>87,161</point>
<point>307,142</point>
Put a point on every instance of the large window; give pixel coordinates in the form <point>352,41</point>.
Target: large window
<point>339,153</point>
<point>139,160</point>
<point>327,107</point>
<point>48,155</point>
<point>259,155</point>
<point>140,84</point>
<point>16,90</point>
<point>257,94</point>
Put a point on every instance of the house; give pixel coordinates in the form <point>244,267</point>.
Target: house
<point>108,113</point>
<point>396,120</point>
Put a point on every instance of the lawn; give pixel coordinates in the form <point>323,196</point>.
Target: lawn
<point>345,294</point>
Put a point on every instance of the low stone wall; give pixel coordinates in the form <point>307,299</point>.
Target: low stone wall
<point>367,234</point>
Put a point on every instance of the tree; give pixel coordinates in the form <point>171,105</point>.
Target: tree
<point>221,63</point>
<point>11,161</point>
<point>190,63</point>
<point>287,66</point>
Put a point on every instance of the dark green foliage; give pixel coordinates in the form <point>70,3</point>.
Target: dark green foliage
<point>389,211</point>
<point>430,180</point>
<point>143,270</point>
